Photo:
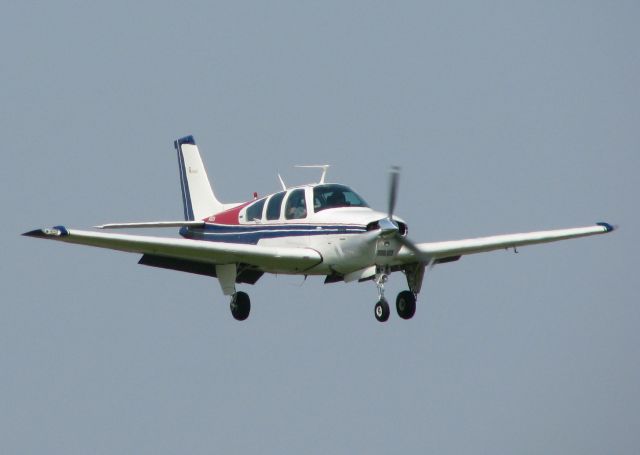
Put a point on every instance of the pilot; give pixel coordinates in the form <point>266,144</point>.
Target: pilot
<point>336,199</point>
<point>297,209</point>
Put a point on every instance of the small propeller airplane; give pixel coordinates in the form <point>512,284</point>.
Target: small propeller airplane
<point>323,229</point>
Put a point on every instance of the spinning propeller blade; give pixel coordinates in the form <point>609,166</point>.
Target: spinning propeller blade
<point>393,195</point>
<point>393,189</point>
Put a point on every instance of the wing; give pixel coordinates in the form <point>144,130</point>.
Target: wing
<point>452,250</point>
<point>271,259</point>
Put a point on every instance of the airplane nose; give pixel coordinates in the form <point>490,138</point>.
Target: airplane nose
<point>388,227</point>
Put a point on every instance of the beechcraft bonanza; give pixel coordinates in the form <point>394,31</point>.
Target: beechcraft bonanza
<point>322,229</point>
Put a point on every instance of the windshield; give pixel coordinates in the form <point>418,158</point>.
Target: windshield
<point>334,196</point>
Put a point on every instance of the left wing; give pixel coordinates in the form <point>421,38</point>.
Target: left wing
<point>266,258</point>
<point>452,250</point>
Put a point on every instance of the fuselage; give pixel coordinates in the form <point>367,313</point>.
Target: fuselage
<point>329,218</point>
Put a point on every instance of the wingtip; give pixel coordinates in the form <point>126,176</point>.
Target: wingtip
<point>56,231</point>
<point>34,233</point>
<point>608,227</point>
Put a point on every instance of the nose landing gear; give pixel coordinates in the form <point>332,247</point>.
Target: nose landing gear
<point>381,310</point>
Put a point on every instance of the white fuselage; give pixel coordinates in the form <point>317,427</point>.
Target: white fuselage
<point>339,234</point>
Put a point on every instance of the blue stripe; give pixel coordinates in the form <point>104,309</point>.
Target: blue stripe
<point>252,234</point>
<point>186,196</point>
<point>281,226</point>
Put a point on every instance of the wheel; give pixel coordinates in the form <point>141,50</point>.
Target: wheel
<point>406,304</point>
<point>240,306</point>
<point>381,310</point>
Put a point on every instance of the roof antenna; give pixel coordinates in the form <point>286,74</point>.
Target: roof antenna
<point>324,168</point>
<point>284,187</point>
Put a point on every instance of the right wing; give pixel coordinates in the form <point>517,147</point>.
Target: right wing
<point>454,249</point>
<point>272,259</point>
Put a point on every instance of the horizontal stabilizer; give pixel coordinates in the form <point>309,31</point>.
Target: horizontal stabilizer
<point>152,224</point>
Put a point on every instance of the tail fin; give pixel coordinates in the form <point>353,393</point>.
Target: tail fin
<point>197,195</point>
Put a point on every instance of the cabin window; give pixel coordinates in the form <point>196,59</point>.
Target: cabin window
<point>254,212</point>
<point>296,207</point>
<point>273,208</point>
<point>335,196</point>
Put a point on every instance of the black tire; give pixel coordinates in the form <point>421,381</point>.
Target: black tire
<point>240,306</point>
<point>406,304</point>
<point>381,310</point>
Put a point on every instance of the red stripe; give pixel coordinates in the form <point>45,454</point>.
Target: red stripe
<point>228,217</point>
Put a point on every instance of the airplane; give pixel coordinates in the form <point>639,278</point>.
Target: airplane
<point>322,228</point>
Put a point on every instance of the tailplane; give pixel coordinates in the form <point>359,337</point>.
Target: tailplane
<point>197,195</point>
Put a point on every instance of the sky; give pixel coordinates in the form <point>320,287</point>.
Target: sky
<point>504,117</point>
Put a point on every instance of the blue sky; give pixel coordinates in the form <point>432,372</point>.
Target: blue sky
<point>504,118</point>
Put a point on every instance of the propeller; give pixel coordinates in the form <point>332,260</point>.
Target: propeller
<point>389,227</point>
<point>394,175</point>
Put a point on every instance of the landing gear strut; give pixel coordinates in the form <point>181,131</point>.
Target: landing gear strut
<point>240,306</point>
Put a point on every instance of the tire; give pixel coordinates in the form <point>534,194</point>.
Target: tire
<point>381,310</point>
<point>240,306</point>
<point>406,304</point>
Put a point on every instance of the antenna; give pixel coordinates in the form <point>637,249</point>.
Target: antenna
<point>284,187</point>
<point>324,168</point>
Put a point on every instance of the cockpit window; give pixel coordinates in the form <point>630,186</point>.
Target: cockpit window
<point>334,196</point>
<point>296,207</point>
<point>254,212</point>
<point>273,208</point>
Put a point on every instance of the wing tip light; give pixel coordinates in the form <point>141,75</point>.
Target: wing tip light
<point>608,227</point>
<point>56,231</point>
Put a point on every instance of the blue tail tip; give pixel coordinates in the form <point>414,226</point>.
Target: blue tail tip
<point>608,227</point>
<point>186,140</point>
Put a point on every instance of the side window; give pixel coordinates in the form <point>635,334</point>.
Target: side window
<point>273,208</point>
<point>254,212</point>
<point>296,207</point>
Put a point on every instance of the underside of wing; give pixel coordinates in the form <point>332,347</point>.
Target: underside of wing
<point>161,250</point>
<point>441,251</point>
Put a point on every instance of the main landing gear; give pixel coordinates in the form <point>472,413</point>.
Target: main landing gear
<point>240,306</point>
<point>405,302</point>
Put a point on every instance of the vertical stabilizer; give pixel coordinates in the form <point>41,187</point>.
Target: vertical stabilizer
<point>197,195</point>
